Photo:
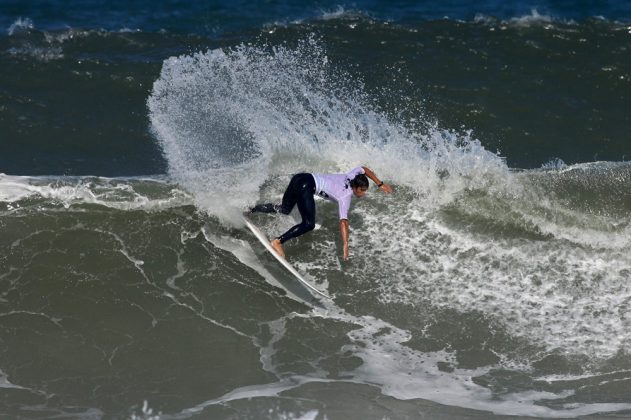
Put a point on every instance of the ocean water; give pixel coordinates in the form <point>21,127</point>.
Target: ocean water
<point>494,283</point>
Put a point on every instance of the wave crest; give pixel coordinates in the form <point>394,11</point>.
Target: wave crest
<point>230,119</point>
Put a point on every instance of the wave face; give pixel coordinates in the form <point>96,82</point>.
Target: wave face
<point>509,297</point>
<point>494,282</point>
<point>540,255</point>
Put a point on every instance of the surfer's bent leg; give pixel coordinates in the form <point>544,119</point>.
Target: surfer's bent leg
<point>291,196</point>
<point>304,190</point>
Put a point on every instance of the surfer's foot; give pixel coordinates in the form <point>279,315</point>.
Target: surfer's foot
<point>278,247</point>
<point>265,208</point>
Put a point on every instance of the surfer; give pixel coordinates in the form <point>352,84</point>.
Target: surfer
<point>334,187</point>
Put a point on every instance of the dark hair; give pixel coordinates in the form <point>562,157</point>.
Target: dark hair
<point>360,181</point>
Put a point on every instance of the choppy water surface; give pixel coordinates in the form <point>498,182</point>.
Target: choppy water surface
<point>494,282</point>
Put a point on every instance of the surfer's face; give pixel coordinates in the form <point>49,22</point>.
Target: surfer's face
<point>359,191</point>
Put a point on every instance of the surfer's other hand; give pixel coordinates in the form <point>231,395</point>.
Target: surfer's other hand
<point>386,188</point>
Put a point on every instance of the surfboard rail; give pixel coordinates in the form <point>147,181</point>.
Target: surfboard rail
<point>263,240</point>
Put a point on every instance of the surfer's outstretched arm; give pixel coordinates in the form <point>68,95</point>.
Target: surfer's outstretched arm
<point>344,233</point>
<point>370,174</point>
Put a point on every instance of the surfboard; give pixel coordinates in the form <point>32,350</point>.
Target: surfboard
<point>263,240</point>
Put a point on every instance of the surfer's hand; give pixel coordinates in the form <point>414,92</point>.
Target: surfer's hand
<point>386,188</point>
<point>344,234</point>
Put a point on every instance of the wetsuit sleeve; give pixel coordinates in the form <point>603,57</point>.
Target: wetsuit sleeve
<point>343,205</point>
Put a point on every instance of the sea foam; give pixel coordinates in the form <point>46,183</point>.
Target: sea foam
<point>228,120</point>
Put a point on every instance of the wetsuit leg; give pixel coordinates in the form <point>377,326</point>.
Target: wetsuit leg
<point>303,191</point>
<point>291,196</point>
<point>292,193</point>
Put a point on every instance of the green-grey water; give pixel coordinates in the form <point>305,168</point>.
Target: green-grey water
<point>494,282</point>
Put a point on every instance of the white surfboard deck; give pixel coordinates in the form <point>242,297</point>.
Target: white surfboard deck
<point>263,239</point>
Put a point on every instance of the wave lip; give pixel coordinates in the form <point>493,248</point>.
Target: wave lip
<point>19,26</point>
<point>533,18</point>
<point>137,193</point>
<point>228,120</point>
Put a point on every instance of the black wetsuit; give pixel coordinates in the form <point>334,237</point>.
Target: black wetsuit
<point>300,191</point>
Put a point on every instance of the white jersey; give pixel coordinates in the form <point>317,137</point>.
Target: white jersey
<point>337,188</point>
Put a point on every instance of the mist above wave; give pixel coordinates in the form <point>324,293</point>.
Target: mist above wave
<point>228,119</point>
